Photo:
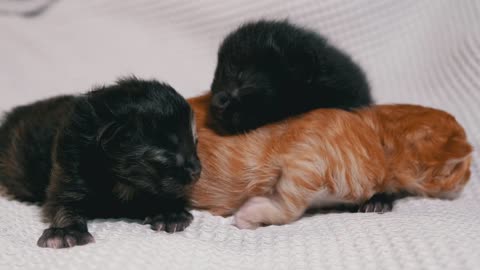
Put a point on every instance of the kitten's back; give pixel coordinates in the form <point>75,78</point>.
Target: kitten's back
<point>339,155</point>
<point>326,149</point>
<point>26,138</point>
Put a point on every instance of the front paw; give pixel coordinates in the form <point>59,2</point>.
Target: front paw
<point>64,238</point>
<point>379,203</point>
<point>170,222</point>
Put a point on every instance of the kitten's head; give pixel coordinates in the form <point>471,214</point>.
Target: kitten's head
<point>447,172</point>
<point>254,71</point>
<point>148,136</point>
<point>242,98</point>
<point>430,154</point>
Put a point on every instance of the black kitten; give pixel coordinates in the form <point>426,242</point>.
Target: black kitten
<point>269,70</point>
<point>126,150</point>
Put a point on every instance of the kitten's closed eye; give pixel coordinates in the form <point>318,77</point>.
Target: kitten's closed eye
<point>159,156</point>
<point>240,75</point>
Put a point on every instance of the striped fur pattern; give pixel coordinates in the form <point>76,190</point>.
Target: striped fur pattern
<point>273,174</point>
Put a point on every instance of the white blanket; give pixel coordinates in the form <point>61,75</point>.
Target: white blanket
<point>423,52</point>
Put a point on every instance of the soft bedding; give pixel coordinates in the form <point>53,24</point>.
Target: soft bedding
<point>421,52</point>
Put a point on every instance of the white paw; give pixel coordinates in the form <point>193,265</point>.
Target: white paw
<point>244,224</point>
<point>251,215</point>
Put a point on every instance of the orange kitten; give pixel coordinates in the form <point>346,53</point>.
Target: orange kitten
<point>274,174</point>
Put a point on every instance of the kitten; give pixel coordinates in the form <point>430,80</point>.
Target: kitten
<point>125,150</point>
<point>261,62</point>
<point>325,157</point>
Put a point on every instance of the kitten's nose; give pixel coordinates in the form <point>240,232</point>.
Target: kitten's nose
<point>195,170</point>
<point>221,100</point>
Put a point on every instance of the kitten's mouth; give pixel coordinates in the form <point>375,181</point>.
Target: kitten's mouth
<point>194,179</point>
<point>176,190</point>
<point>221,120</point>
<point>228,125</point>
<point>230,120</point>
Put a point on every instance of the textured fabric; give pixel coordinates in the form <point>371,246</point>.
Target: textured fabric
<point>422,52</point>
<point>24,8</point>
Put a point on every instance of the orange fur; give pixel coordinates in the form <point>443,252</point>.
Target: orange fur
<point>273,174</point>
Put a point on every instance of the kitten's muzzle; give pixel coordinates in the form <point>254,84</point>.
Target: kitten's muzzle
<point>220,102</point>
<point>194,171</point>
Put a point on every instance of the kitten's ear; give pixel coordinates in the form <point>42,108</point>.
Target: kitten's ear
<point>107,133</point>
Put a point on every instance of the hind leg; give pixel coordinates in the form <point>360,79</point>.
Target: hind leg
<point>258,211</point>
<point>287,203</point>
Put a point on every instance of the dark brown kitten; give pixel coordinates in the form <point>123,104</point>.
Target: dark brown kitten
<point>126,150</point>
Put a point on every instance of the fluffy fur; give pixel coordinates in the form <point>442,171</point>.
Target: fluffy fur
<point>261,62</point>
<point>126,150</point>
<point>325,157</point>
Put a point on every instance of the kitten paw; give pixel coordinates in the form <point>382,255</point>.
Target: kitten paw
<point>243,223</point>
<point>64,238</point>
<point>248,216</point>
<point>170,222</point>
<point>379,203</point>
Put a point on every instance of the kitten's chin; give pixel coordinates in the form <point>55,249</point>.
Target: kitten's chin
<point>221,126</point>
<point>233,124</point>
<point>174,191</point>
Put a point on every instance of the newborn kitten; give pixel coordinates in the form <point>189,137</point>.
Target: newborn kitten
<point>272,175</point>
<point>261,62</point>
<point>125,150</point>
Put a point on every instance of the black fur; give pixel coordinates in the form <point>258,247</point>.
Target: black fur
<point>126,150</point>
<point>269,70</point>
<point>378,203</point>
